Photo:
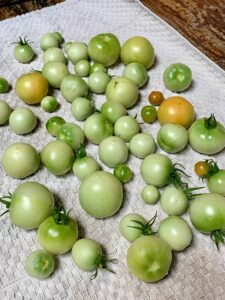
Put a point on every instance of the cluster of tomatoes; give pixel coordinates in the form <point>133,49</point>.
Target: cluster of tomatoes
<point>117,134</point>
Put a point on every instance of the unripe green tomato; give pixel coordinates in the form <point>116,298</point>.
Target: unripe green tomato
<point>127,224</point>
<point>98,82</point>
<point>4,85</point>
<point>54,54</point>
<point>141,145</point>
<point>54,72</point>
<point>216,183</point>
<point>150,194</point>
<point>137,73</point>
<point>81,108</point>
<point>82,68</point>
<point>23,53</point>
<point>53,124</point>
<point>113,151</point>
<point>58,36</point>
<point>84,166</point>
<point>5,112</point>
<point>48,41</point>
<point>71,134</point>
<point>149,114</point>
<point>66,47</point>
<point>49,104</point>
<point>173,201</point>
<point>96,67</point>
<point>123,173</point>
<point>176,232</point>
<point>113,110</point>
<point>72,87</point>
<point>22,120</point>
<point>126,127</point>
<point>77,51</point>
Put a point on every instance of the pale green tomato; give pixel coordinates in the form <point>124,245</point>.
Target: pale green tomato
<point>127,224</point>
<point>23,52</point>
<point>49,104</point>
<point>216,183</point>
<point>54,72</point>
<point>22,120</point>
<point>81,108</point>
<point>150,194</point>
<point>58,36</point>
<point>39,264</point>
<point>123,90</point>
<point>48,41</point>
<point>66,47</point>
<point>138,49</point>
<point>126,127</point>
<point>20,160</point>
<point>53,124</point>
<point>137,73</point>
<point>82,68</point>
<point>98,81</point>
<point>5,112</point>
<point>113,110</point>
<point>71,134</point>
<point>173,201</point>
<point>84,166</point>
<point>172,138</point>
<point>176,232</point>
<point>141,145</point>
<point>54,54</point>
<point>97,128</point>
<point>77,51</point>
<point>96,67</point>
<point>101,194</point>
<point>72,87</point>
<point>113,151</point>
<point>57,157</point>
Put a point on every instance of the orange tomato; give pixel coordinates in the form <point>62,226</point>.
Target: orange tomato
<point>32,87</point>
<point>176,110</point>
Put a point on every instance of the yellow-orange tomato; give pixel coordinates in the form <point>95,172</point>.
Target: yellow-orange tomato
<point>176,110</point>
<point>32,87</point>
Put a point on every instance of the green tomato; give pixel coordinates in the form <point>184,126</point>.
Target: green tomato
<point>54,72</point>
<point>156,169</point>
<point>54,54</point>
<point>149,258</point>
<point>96,67</point>
<point>31,203</point>
<point>73,87</point>
<point>149,114</point>
<point>96,196</point>
<point>48,41</point>
<point>97,128</point>
<point>216,183</point>
<point>53,124</point>
<point>86,253</point>
<point>4,85</point>
<point>113,151</point>
<point>71,134</point>
<point>39,264</point>
<point>66,47</point>
<point>98,82</point>
<point>123,173</point>
<point>123,90</point>
<point>57,157</point>
<point>113,110</point>
<point>173,201</point>
<point>126,128</point>
<point>20,160</point>
<point>5,112</point>
<point>141,145</point>
<point>150,194</point>
<point>207,213</point>
<point>138,49</point>
<point>81,108</point>
<point>77,51</point>
<point>82,68</point>
<point>207,136</point>
<point>58,36</point>
<point>85,166</point>
<point>23,52</point>
<point>127,224</point>
<point>137,73</point>
<point>57,236</point>
<point>49,104</point>
<point>172,138</point>
<point>104,48</point>
<point>176,232</point>
<point>177,77</point>
<point>22,120</point>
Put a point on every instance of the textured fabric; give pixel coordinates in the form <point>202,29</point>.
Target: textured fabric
<point>197,273</point>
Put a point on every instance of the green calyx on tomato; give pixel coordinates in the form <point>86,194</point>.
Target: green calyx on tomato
<point>60,216</point>
<point>145,228</point>
<point>81,152</point>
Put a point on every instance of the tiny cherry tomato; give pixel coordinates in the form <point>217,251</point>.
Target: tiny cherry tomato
<point>123,173</point>
<point>201,168</point>
<point>4,85</point>
<point>149,114</point>
<point>53,124</point>
<point>155,98</point>
<point>49,104</point>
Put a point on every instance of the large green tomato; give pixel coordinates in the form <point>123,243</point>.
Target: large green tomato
<point>104,48</point>
<point>71,134</point>
<point>72,87</point>
<point>207,136</point>
<point>96,196</point>
<point>149,258</point>
<point>54,72</point>
<point>138,49</point>
<point>141,145</point>
<point>31,204</point>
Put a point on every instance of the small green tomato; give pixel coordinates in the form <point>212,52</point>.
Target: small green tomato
<point>98,82</point>
<point>4,85</point>
<point>137,73</point>
<point>126,127</point>
<point>77,51</point>
<point>113,110</point>
<point>96,67</point>
<point>81,108</point>
<point>5,112</point>
<point>71,134</point>
<point>22,120</point>
<point>149,114</point>
<point>53,124</point>
<point>85,166</point>
<point>123,173</point>
<point>54,72</point>
<point>150,194</point>
<point>141,145</point>
<point>48,41</point>
<point>58,36</point>
<point>82,68</point>
<point>54,54</point>
<point>49,104</point>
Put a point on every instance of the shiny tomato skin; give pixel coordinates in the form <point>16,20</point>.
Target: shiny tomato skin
<point>201,168</point>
